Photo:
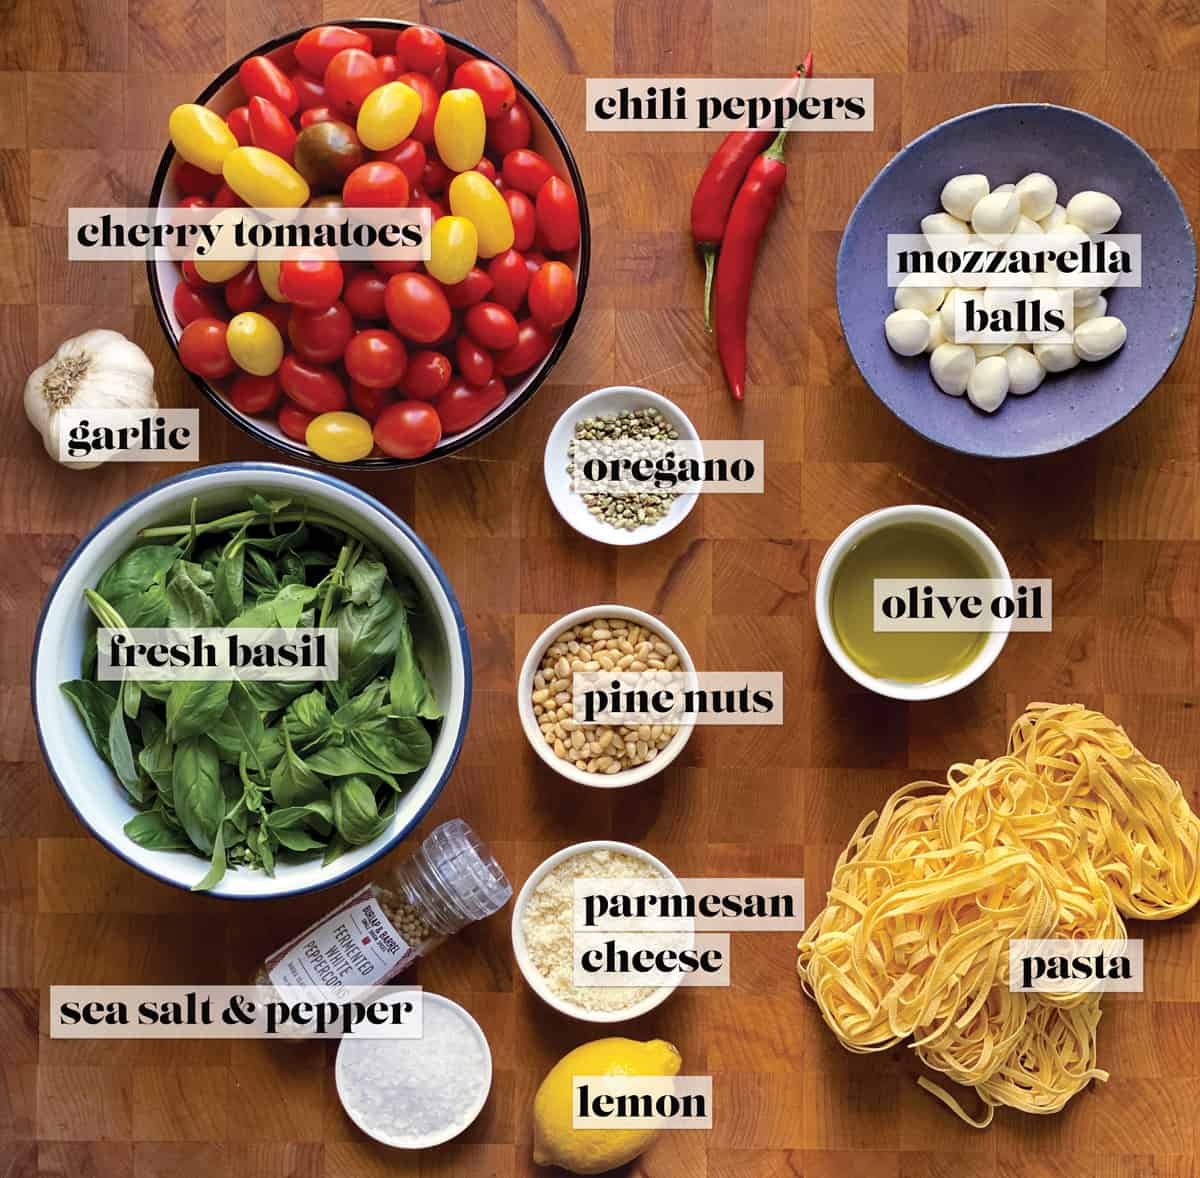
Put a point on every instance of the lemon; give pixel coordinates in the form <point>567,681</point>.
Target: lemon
<point>592,1151</point>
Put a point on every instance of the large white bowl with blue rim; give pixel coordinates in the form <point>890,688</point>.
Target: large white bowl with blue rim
<point>91,787</point>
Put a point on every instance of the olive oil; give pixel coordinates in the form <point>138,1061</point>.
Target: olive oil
<point>915,550</point>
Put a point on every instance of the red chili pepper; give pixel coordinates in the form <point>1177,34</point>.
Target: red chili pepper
<point>748,221</point>
<point>719,185</point>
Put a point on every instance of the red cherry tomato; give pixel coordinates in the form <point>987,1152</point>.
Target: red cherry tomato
<point>195,202</point>
<point>318,114</point>
<point>194,181</point>
<point>364,295</point>
<point>439,78</point>
<point>524,218</point>
<point>239,123</point>
<point>278,313</point>
<point>188,269</point>
<point>313,388</point>
<point>390,266</point>
<point>310,91</point>
<point>376,185</point>
<point>409,157</point>
<point>318,47</point>
<point>349,77</point>
<point>435,177</point>
<point>226,198</point>
<point>426,375</point>
<point>474,363</point>
<point>271,129</point>
<point>408,429</point>
<point>494,87</point>
<point>376,358</point>
<point>417,308</point>
<point>470,290</point>
<point>190,305</point>
<point>262,78</point>
<point>255,394</point>
<point>320,335</point>
<point>462,406</point>
<point>244,291</point>
<point>435,206</point>
<point>552,295</point>
<point>429,96</point>
<point>510,279</point>
<point>509,130</point>
<point>532,346</point>
<point>202,349</point>
<point>370,402</point>
<point>492,325</point>
<point>526,171</point>
<point>558,214</point>
<point>311,281</point>
<point>485,167</point>
<point>389,67</point>
<point>294,421</point>
<point>421,48</point>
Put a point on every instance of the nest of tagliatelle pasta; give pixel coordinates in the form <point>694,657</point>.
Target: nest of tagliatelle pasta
<point>1064,836</point>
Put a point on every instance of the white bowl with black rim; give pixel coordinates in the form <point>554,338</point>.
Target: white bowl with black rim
<point>90,785</point>
<point>222,94</point>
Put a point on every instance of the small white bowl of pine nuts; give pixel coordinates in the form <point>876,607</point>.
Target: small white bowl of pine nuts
<point>599,638</point>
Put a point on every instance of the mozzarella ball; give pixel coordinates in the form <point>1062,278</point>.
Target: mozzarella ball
<point>996,216</point>
<point>923,298</point>
<point>942,225</point>
<point>962,193</point>
<point>1093,212</point>
<point>1025,371</point>
<point>983,351</point>
<point>1098,338</point>
<point>1093,310</point>
<point>1037,194</point>
<point>1053,219</point>
<point>951,366</point>
<point>1056,357</point>
<point>1002,188</point>
<point>907,331</point>
<point>1028,226</point>
<point>947,310</point>
<point>937,333</point>
<point>987,386</point>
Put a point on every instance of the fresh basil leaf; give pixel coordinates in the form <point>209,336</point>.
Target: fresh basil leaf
<point>409,691</point>
<point>288,604</point>
<point>121,755</point>
<point>216,871</point>
<point>156,760</point>
<point>198,791</point>
<point>355,814</point>
<point>316,814</point>
<point>297,840</point>
<point>152,830</point>
<point>188,600</point>
<point>368,637</point>
<point>135,572</point>
<point>339,761</point>
<point>307,719</point>
<point>397,744</point>
<point>195,705</point>
<point>240,729</point>
<point>95,707</point>
<point>366,580</point>
<point>229,583</point>
<point>293,781</point>
<point>368,706</point>
<point>337,848</point>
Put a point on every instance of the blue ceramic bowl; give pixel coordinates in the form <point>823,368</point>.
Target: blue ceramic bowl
<point>1005,143</point>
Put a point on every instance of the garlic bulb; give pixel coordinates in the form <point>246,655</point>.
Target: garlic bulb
<point>100,369</point>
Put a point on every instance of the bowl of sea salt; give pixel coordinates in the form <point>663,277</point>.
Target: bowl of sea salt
<point>416,1093</point>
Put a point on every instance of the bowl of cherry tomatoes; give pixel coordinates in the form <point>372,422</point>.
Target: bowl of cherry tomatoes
<point>386,363</point>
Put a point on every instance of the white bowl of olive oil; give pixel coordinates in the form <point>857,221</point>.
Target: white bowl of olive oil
<point>916,543</point>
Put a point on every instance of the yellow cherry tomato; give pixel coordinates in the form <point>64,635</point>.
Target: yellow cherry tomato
<point>453,248</point>
<point>388,115</point>
<point>254,343</point>
<point>268,275</point>
<point>340,437</point>
<point>474,196</point>
<point>263,180</point>
<point>224,258</point>
<point>459,129</point>
<point>201,136</point>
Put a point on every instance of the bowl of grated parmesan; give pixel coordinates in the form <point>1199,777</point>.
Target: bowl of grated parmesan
<point>544,935</point>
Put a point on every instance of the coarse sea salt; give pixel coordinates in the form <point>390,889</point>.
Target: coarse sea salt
<point>414,1093</point>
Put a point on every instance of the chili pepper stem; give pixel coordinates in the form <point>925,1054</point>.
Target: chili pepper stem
<point>710,268</point>
<point>775,151</point>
